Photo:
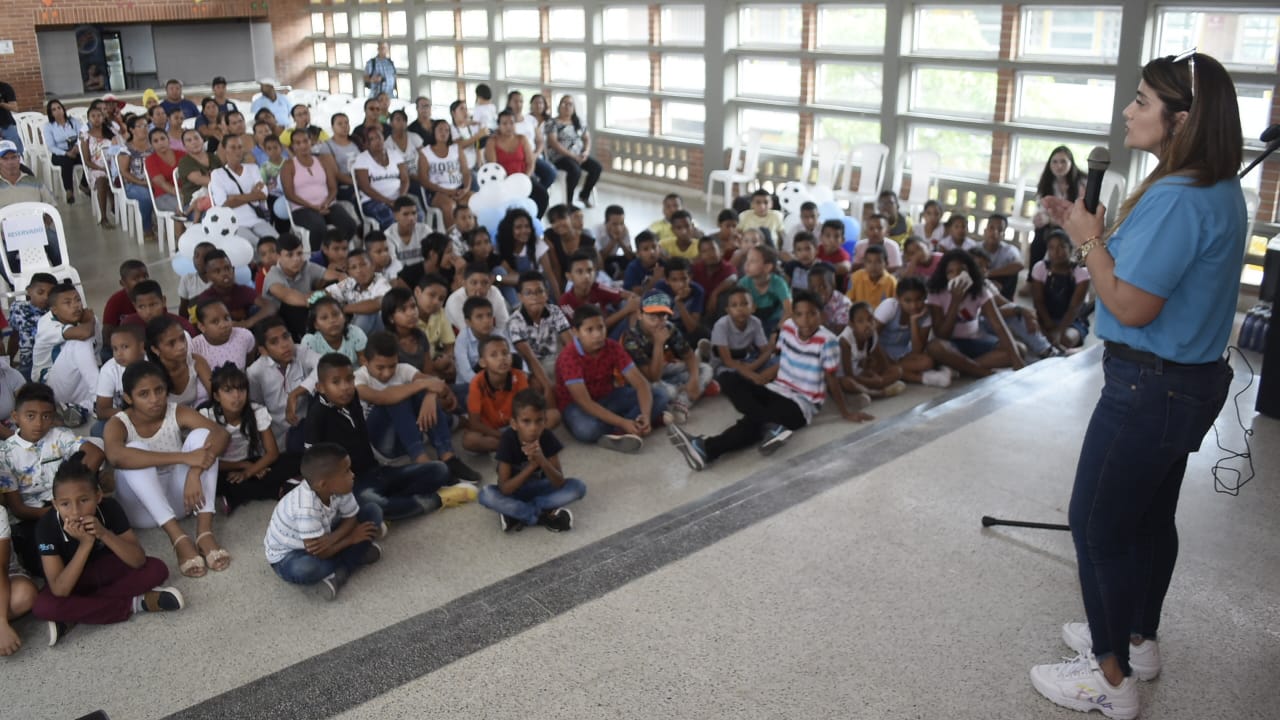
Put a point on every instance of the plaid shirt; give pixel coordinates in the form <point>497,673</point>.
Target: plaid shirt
<point>23,317</point>
<point>387,69</point>
<point>543,335</point>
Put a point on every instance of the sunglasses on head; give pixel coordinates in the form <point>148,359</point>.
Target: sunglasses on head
<point>1190,57</point>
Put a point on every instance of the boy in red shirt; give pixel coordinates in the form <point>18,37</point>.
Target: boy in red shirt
<point>119,305</point>
<point>830,251</point>
<point>715,274</point>
<point>585,290</point>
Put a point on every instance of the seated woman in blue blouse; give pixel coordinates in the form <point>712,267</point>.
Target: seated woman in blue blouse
<point>62,137</point>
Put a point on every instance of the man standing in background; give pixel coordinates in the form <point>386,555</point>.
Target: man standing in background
<point>380,73</point>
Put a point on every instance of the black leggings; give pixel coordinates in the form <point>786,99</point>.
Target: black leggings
<point>268,487</point>
<point>317,225</point>
<point>573,173</point>
<point>68,166</point>
<point>759,405</point>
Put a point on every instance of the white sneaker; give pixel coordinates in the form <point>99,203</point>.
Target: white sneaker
<point>1079,684</point>
<point>1144,658</point>
<point>936,378</point>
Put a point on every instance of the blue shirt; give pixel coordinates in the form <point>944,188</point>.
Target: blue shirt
<point>1184,244</point>
<point>636,274</point>
<point>279,107</point>
<point>61,138</point>
<point>189,109</point>
<point>695,303</point>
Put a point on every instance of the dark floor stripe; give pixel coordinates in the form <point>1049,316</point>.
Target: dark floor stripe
<point>354,673</point>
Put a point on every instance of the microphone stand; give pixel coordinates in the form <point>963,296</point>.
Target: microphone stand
<point>1256,161</point>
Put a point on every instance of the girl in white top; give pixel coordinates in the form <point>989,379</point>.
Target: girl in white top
<point>465,134</point>
<point>866,367</point>
<point>160,476</point>
<point>251,468</point>
<point>442,174</point>
<point>406,143</point>
<point>188,374</point>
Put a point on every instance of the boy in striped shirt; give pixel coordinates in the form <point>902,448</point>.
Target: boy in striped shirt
<point>810,357</point>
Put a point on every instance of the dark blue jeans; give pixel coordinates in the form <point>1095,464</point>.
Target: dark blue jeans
<point>402,491</point>
<point>622,402</point>
<point>1149,418</point>
<point>302,568</point>
<point>534,497</point>
<point>394,431</point>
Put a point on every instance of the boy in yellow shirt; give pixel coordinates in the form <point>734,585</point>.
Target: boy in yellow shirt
<point>762,215</point>
<point>872,283</point>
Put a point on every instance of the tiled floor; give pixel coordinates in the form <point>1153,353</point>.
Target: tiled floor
<point>846,576</point>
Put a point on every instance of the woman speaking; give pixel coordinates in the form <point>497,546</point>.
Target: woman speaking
<point>1167,276</point>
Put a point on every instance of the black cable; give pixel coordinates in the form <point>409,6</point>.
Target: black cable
<point>1220,468</point>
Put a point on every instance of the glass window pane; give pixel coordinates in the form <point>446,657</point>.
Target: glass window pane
<point>398,23</point>
<point>958,29</point>
<point>781,130</point>
<point>317,23</point>
<point>769,78</point>
<point>683,25</point>
<point>769,25</point>
<point>366,51</point>
<point>404,89</point>
<point>443,93</point>
<point>344,83</point>
<point>440,23</point>
<point>322,80</point>
<point>851,84</point>
<point>342,54</point>
<point>627,113</point>
<point>1236,38</point>
<point>320,53</point>
<point>684,120</point>
<point>1073,33</point>
<point>567,23</point>
<point>399,55</point>
<point>1255,112</point>
<point>568,66</point>
<point>969,93</point>
<point>849,131</point>
<point>442,58</point>
<point>626,25</point>
<point>521,23</point>
<point>684,73</point>
<point>626,70</point>
<point>850,26</point>
<point>524,63</point>
<point>1066,99</point>
<point>475,60</point>
<point>475,24</point>
<point>1031,154</point>
<point>340,24</point>
<point>965,153</point>
<point>369,24</point>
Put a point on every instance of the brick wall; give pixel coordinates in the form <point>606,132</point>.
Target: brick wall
<point>289,20</point>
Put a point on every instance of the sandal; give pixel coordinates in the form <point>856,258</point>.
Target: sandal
<point>193,567</point>
<point>217,559</point>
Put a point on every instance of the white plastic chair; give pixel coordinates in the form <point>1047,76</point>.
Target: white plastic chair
<point>80,113</point>
<point>923,166</point>
<point>369,224</point>
<point>165,220</point>
<point>127,209</point>
<point>827,152</point>
<point>1023,226</point>
<point>33,259</point>
<point>747,175</point>
<point>870,159</point>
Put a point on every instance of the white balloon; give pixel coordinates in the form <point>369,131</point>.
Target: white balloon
<point>792,224</point>
<point>239,251</point>
<point>194,235</point>
<point>792,195</point>
<point>482,200</point>
<point>822,193</point>
<point>490,176</point>
<point>516,187</point>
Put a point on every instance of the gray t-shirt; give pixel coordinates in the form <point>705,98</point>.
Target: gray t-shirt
<point>741,342</point>
<point>305,282</point>
<point>1004,255</point>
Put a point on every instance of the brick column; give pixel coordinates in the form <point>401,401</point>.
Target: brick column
<point>1006,88</point>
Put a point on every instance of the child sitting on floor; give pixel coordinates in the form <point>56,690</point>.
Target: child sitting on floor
<point>738,340</point>
<point>1020,320</point>
<point>902,324</point>
<point>688,301</point>
<point>319,533</point>
<point>118,305</point>
<point>65,355</point>
<point>329,330</point>
<point>360,294</point>
<point>538,329</point>
<point>715,275</point>
<point>835,306</point>
<point>1058,288</point>
<point>268,256</point>
<point>873,284</point>
<point>770,293</point>
<point>532,488</point>
<point>23,318</point>
<point>126,349</point>
<point>96,569</point>
<point>830,250</point>
<point>480,325</point>
<point>402,491</point>
<point>489,397</point>
<point>665,358</point>
<point>645,270</point>
<point>762,215</point>
<point>17,591</point>
<point>867,370</point>
<point>586,290</point>
<point>280,368</point>
<point>430,296</point>
<point>957,297</point>
<point>251,468</point>
<point>188,375</point>
<point>806,375</point>
<point>477,283</point>
<point>192,284</point>
<point>150,303</point>
<point>245,306</point>
<point>804,253</point>
<point>220,341</point>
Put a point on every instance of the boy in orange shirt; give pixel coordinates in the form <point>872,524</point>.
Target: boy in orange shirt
<point>872,284</point>
<point>490,396</point>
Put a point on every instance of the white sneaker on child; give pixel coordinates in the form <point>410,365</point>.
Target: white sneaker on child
<point>1144,658</point>
<point>1079,684</point>
<point>936,378</point>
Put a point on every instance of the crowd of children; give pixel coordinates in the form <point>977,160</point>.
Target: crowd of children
<point>337,384</point>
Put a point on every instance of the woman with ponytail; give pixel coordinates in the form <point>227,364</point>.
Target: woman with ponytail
<point>1167,277</point>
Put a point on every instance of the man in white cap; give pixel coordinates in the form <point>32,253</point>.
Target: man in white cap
<point>277,103</point>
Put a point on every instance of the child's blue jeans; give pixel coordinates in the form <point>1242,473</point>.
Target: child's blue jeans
<point>302,568</point>
<point>402,491</point>
<point>393,430</point>
<point>534,497</point>
<point>675,376</point>
<point>622,402</point>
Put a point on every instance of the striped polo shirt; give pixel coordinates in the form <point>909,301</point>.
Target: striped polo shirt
<point>804,366</point>
<point>300,516</point>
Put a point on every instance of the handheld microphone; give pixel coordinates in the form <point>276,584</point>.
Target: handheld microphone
<point>1270,134</point>
<point>1099,161</point>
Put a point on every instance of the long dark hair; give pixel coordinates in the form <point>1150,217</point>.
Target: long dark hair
<point>507,237</point>
<point>1209,146</point>
<point>230,377</point>
<point>938,280</point>
<point>314,310</point>
<point>1074,177</point>
<point>157,327</point>
<point>546,108</point>
<point>577,123</point>
<point>136,372</point>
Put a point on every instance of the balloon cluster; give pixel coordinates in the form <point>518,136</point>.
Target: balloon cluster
<point>792,195</point>
<point>218,227</point>
<point>498,193</point>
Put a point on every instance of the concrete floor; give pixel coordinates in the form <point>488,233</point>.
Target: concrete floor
<point>847,576</point>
